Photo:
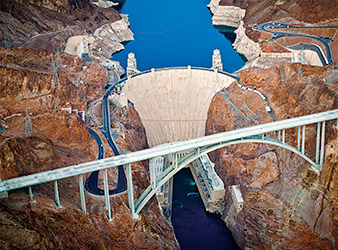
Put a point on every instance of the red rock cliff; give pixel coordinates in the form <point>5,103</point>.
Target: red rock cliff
<point>286,206</point>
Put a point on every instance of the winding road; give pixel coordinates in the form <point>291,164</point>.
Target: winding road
<point>91,183</point>
<point>278,34</point>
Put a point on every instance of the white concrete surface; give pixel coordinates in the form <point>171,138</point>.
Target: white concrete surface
<point>74,45</point>
<point>310,57</point>
<point>173,103</point>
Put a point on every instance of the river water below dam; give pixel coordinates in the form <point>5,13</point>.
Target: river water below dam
<point>180,33</point>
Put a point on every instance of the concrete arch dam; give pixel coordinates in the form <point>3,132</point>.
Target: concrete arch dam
<point>173,102</point>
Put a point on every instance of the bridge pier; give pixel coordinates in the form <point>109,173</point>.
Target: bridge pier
<point>130,191</point>
<point>30,192</point>
<point>152,176</point>
<point>317,142</point>
<point>321,159</point>
<point>56,191</point>
<point>106,193</point>
<point>82,195</point>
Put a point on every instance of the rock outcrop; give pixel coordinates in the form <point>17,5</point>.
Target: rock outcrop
<point>226,15</point>
<point>244,45</point>
<point>271,10</point>
<point>48,25</point>
<point>60,139</point>
<point>233,16</point>
<point>27,81</point>
<point>286,205</point>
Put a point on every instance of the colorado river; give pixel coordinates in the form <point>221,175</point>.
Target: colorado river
<point>180,33</point>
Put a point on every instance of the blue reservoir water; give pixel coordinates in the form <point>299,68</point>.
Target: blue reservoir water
<point>175,33</point>
<point>180,33</point>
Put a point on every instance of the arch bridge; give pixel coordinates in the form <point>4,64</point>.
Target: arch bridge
<point>273,133</point>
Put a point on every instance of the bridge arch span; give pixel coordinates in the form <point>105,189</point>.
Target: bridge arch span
<point>193,155</point>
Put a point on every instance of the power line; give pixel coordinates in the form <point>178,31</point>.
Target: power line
<point>55,77</point>
<point>7,39</point>
<point>59,64</point>
<point>28,122</point>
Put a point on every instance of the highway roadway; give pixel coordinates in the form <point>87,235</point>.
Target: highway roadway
<point>91,183</point>
<point>312,47</point>
<point>278,34</point>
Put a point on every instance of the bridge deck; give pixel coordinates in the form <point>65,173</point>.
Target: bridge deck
<point>163,149</point>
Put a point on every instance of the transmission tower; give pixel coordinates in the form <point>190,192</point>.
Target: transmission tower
<point>3,125</point>
<point>55,74</point>
<point>56,107</point>
<point>28,121</point>
<point>7,40</point>
<point>331,76</point>
<point>59,64</point>
<point>300,72</point>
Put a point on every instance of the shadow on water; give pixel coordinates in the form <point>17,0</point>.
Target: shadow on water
<point>195,228</point>
<point>227,31</point>
<point>229,34</point>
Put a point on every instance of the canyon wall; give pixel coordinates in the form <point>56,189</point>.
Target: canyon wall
<point>233,16</point>
<point>59,139</point>
<point>47,25</point>
<point>286,205</point>
<point>252,43</point>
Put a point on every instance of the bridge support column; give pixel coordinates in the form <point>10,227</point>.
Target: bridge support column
<point>130,191</point>
<point>317,142</point>
<point>278,135</point>
<point>106,193</point>
<point>303,139</point>
<point>174,158</point>
<point>321,160</point>
<point>298,138</point>
<point>56,191</point>
<point>30,192</point>
<point>283,136</point>
<point>152,176</point>
<point>82,195</point>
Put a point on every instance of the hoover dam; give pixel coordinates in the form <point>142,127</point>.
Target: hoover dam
<point>173,102</point>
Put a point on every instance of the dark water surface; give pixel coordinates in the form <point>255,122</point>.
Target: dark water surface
<point>180,33</point>
<point>175,33</point>
<point>195,228</point>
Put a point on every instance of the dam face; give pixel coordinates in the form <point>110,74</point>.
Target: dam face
<point>173,102</point>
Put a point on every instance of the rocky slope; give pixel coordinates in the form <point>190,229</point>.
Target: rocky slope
<point>60,139</point>
<point>27,81</point>
<point>270,10</point>
<point>251,43</point>
<point>286,205</point>
<point>48,25</point>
